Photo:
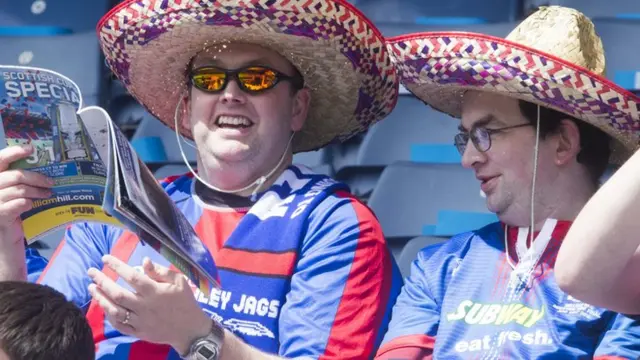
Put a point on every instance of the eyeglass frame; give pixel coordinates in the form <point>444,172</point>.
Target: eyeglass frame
<point>461,139</point>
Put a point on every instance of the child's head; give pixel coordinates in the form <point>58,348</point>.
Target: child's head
<point>38,323</point>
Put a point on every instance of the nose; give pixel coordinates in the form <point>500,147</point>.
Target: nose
<point>232,94</point>
<point>472,156</point>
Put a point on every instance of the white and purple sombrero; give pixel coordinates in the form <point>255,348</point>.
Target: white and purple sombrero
<point>554,58</point>
<point>148,44</point>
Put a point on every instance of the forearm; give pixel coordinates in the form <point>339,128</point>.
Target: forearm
<point>13,266</point>
<point>603,238</point>
<point>235,349</point>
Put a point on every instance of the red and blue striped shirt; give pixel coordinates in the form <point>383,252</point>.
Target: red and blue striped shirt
<point>327,294</point>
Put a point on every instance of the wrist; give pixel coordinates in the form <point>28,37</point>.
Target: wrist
<point>201,329</point>
<point>13,264</point>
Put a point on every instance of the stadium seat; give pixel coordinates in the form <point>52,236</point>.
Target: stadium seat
<point>410,199</point>
<point>452,12</point>
<point>54,17</point>
<point>621,9</point>
<point>76,56</point>
<point>621,51</point>
<point>412,248</point>
<point>411,123</point>
<point>149,126</point>
<point>390,28</point>
<point>316,160</point>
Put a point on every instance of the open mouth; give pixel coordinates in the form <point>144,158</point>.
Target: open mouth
<point>233,122</point>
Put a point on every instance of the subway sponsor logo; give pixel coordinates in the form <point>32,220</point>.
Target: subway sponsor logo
<point>496,314</point>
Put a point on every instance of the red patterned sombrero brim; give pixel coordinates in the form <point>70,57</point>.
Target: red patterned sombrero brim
<point>342,56</point>
<point>439,67</point>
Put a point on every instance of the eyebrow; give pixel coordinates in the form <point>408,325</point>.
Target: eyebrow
<point>483,121</point>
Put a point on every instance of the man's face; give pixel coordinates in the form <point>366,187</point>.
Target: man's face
<point>505,171</point>
<point>240,130</point>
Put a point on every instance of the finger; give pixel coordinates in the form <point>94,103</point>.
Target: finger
<point>159,273</point>
<point>119,295</point>
<point>115,314</point>
<point>11,154</point>
<point>115,311</point>
<point>13,208</point>
<point>16,177</point>
<point>140,282</point>
<point>23,191</point>
<point>125,329</point>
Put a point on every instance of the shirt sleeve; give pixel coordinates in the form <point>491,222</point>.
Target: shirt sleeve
<point>343,287</point>
<point>415,317</point>
<point>621,340</point>
<point>36,264</point>
<point>82,248</point>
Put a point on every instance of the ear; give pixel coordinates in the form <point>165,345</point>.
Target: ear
<point>568,145</point>
<point>185,110</point>
<point>301,103</point>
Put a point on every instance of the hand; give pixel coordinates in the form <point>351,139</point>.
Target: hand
<point>162,310</point>
<point>17,190</point>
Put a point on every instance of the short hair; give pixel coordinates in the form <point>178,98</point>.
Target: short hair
<point>595,144</point>
<point>38,323</point>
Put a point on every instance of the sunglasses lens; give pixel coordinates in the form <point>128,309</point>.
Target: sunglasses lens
<point>257,78</point>
<point>209,80</point>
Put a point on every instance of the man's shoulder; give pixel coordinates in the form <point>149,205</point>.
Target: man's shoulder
<point>461,243</point>
<point>345,205</point>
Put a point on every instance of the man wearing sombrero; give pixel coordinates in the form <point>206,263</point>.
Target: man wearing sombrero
<point>539,124</point>
<point>304,267</point>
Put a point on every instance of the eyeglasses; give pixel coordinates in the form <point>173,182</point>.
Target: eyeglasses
<point>480,137</point>
<point>251,79</point>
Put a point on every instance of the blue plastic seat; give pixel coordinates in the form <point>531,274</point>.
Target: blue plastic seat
<point>76,56</point>
<point>412,199</point>
<point>54,16</point>
<point>620,9</point>
<point>452,12</point>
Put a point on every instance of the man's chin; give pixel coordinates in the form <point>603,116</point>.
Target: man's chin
<point>493,204</point>
<point>233,151</point>
<point>231,156</point>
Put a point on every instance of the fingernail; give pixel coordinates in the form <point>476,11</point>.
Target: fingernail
<point>51,181</point>
<point>92,272</point>
<point>27,147</point>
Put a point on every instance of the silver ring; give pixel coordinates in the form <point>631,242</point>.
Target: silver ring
<point>127,317</point>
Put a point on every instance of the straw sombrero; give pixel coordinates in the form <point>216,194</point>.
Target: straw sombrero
<point>341,55</point>
<point>553,58</point>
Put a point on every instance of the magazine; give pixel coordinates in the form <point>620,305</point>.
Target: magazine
<point>98,176</point>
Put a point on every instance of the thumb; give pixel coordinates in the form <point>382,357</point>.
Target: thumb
<point>157,272</point>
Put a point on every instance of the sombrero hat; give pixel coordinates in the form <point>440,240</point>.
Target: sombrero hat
<point>148,44</point>
<point>554,58</point>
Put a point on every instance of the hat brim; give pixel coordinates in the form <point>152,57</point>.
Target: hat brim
<point>340,54</point>
<point>439,67</point>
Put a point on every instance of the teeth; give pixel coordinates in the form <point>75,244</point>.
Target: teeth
<point>233,120</point>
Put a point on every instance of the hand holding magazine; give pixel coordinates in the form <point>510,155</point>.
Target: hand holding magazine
<point>98,176</point>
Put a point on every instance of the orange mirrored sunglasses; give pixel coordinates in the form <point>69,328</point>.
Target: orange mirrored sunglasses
<point>251,79</point>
